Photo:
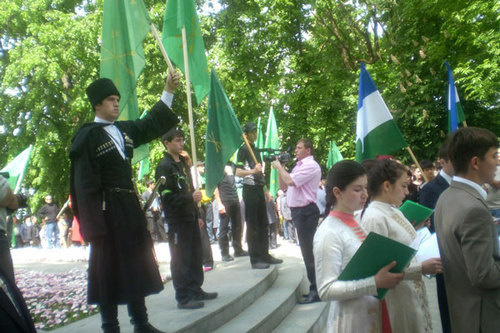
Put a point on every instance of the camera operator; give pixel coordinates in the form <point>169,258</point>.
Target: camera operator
<point>302,184</point>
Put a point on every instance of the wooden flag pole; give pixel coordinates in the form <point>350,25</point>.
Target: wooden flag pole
<point>162,48</point>
<point>249,148</point>
<point>416,162</point>
<point>190,104</point>
<point>464,123</point>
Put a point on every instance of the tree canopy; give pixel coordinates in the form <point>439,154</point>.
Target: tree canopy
<point>300,56</point>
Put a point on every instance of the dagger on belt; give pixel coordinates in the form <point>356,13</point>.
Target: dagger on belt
<point>161,181</point>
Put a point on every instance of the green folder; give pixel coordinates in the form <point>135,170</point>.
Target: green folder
<point>414,212</point>
<point>375,252</point>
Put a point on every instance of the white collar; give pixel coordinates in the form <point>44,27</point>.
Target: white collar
<point>103,121</point>
<point>446,176</point>
<point>472,184</point>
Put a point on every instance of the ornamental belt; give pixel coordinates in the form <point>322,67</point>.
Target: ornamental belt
<point>119,190</point>
<point>116,190</point>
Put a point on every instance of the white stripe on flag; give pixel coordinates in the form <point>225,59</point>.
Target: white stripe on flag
<point>373,114</point>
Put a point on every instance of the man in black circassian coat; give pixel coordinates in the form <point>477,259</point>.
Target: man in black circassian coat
<point>122,266</point>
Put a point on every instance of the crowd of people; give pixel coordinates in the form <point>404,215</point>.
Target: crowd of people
<point>327,218</point>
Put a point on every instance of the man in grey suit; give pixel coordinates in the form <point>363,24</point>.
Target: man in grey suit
<point>467,236</point>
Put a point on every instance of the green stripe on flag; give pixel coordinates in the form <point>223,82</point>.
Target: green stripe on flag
<point>375,142</point>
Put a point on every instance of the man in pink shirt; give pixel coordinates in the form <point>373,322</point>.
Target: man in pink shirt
<point>302,184</point>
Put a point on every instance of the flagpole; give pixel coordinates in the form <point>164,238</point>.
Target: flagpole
<point>464,123</point>
<point>190,103</point>
<point>249,148</point>
<point>162,48</point>
<point>418,164</point>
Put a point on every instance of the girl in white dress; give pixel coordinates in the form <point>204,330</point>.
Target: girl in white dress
<point>353,307</point>
<point>407,304</point>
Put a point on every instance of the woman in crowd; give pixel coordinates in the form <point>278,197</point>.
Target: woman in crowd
<point>353,306</point>
<point>407,303</point>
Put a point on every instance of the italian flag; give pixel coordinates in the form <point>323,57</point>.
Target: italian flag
<point>376,131</point>
<point>455,111</point>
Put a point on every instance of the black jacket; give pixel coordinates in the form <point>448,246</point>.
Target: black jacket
<point>11,320</point>
<point>429,195</point>
<point>177,192</point>
<point>96,165</point>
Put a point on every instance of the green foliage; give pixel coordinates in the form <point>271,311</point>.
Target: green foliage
<point>300,56</point>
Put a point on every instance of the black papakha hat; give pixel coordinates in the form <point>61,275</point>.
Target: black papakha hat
<point>98,90</point>
<point>249,127</point>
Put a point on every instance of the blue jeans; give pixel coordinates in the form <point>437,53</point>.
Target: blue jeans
<point>52,234</point>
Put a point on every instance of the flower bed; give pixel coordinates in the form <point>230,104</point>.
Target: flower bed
<point>56,299</point>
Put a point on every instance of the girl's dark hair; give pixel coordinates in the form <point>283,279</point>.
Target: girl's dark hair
<point>341,175</point>
<point>383,170</point>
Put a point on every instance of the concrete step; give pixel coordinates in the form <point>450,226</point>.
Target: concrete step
<point>237,284</point>
<point>305,318</point>
<point>267,312</point>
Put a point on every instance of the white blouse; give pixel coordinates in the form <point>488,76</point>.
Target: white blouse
<point>353,307</point>
<point>407,303</point>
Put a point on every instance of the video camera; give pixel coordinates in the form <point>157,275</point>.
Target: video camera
<point>283,156</point>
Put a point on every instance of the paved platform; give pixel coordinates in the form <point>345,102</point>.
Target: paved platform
<point>249,300</point>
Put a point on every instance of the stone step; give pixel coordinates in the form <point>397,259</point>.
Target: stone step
<point>267,312</point>
<point>305,318</point>
<point>237,284</point>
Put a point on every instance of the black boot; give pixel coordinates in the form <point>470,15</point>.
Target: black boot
<point>109,318</point>
<point>139,317</point>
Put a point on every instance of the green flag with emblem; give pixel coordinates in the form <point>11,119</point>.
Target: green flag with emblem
<point>224,134</point>
<point>272,142</point>
<point>125,24</point>
<point>178,14</point>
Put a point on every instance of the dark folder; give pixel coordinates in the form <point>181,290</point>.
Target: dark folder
<point>375,252</point>
<point>414,212</point>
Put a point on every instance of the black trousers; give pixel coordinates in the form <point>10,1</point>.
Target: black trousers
<point>109,315</point>
<point>305,220</point>
<point>233,214</point>
<point>257,224</point>
<point>206,249</point>
<point>5,257</point>
<point>443,304</point>
<point>186,259</point>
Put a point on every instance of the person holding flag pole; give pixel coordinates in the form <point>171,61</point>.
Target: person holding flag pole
<point>181,20</point>
<point>250,169</point>
<point>122,266</point>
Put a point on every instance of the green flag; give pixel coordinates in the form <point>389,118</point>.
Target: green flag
<point>224,134</point>
<point>334,155</point>
<point>17,168</point>
<point>259,143</point>
<point>143,168</point>
<point>125,24</point>
<point>272,141</point>
<point>178,14</point>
